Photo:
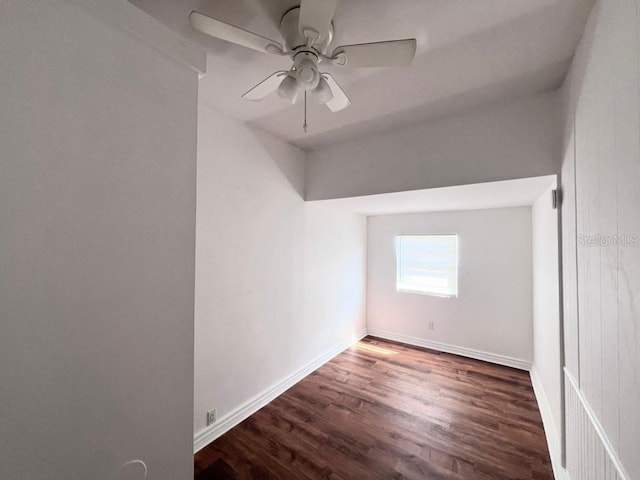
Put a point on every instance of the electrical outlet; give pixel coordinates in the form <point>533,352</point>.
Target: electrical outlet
<point>211,417</point>
<point>430,325</point>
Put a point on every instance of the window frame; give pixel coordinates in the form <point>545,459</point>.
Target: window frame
<point>397,241</point>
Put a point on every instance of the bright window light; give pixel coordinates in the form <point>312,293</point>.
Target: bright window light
<point>427,264</point>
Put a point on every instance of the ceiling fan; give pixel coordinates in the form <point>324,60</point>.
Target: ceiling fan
<point>308,31</point>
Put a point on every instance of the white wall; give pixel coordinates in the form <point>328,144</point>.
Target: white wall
<point>492,314</point>
<point>601,170</point>
<point>97,234</point>
<point>547,363</point>
<point>278,283</point>
<point>500,142</point>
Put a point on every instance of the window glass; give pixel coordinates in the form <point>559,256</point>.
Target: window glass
<point>427,264</point>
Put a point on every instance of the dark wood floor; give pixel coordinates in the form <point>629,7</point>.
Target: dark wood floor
<point>386,410</point>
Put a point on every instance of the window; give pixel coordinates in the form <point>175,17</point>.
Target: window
<point>427,264</point>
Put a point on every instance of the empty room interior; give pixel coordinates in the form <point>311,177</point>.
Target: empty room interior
<point>300,239</point>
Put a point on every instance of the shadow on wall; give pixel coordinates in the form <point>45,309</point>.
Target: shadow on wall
<point>293,169</point>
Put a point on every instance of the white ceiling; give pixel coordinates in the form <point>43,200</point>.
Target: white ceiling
<point>470,53</point>
<point>508,193</point>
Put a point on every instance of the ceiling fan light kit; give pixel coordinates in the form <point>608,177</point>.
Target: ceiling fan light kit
<point>322,93</point>
<point>288,89</point>
<point>307,31</point>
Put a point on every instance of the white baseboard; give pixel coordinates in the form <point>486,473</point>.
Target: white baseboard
<point>550,430</point>
<point>462,351</point>
<point>244,411</point>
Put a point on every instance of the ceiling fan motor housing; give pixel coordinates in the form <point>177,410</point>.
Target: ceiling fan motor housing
<point>295,40</point>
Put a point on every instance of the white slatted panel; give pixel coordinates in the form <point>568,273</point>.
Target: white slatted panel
<point>602,174</point>
<point>589,457</point>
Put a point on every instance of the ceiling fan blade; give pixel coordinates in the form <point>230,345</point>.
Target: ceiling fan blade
<point>393,53</point>
<point>224,31</point>
<point>339,100</point>
<point>265,87</point>
<point>315,18</point>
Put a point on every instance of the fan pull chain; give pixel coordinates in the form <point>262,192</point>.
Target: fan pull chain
<point>304,125</point>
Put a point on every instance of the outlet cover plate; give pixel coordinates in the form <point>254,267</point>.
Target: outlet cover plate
<point>211,417</point>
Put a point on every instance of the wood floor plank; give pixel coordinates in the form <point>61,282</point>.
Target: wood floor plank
<point>383,410</point>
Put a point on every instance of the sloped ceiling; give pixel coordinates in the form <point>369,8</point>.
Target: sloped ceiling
<point>470,53</point>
